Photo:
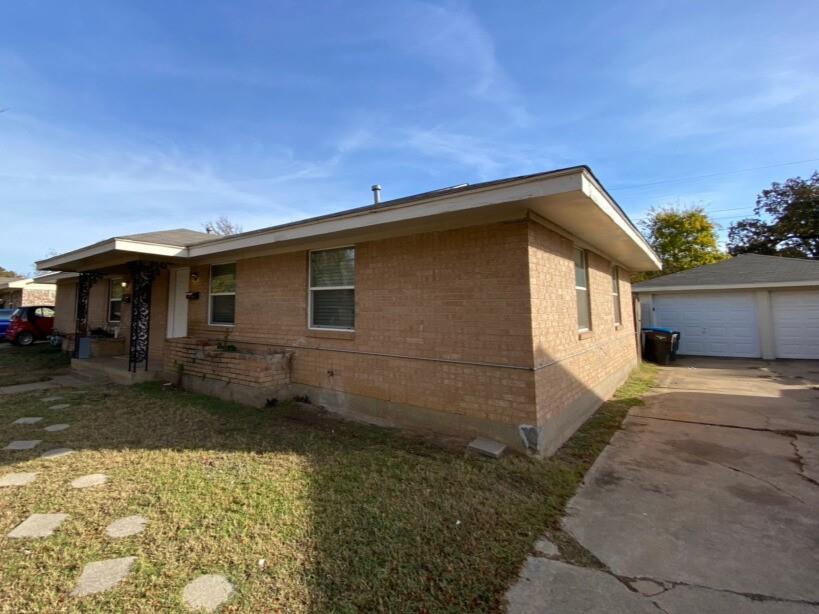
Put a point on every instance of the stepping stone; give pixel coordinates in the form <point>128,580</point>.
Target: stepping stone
<point>487,447</point>
<point>54,428</point>
<point>17,479</point>
<point>28,420</point>
<point>57,452</point>
<point>60,406</point>
<point>207,592</point>
<point>86,481</point>
<point>99,576</point>
<point>51,399</point>
<point>38,525</point>
<point>125,527</point>
<point>23,444</point>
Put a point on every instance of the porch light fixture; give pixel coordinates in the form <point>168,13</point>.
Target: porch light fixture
<point>194,276</point>
<point>123,283</point>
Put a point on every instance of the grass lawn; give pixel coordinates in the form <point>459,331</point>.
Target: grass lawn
<point>346,517</point>
<point>35,363</point>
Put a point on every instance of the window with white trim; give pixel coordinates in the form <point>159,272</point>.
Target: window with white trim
<point>332,289</point>
<point>615,294</point>
<point>222,305</point>
<point>115,292</point>
<point>581,287</point>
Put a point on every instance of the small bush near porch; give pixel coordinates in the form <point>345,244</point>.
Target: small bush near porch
<point>300,513</point>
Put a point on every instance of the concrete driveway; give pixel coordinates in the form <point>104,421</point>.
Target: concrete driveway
<point>706,502</point>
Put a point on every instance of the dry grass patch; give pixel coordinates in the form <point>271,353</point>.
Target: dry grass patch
<point>346,517</point>
<point>35,363</point>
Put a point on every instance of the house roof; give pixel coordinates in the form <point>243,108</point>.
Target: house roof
<point>571,199</point>
<point>177,236</point>
<point>743,271</point>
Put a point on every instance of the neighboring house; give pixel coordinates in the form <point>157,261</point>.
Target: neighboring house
<point>26,292</point>
<point>749,306</point>
<point>500,309</point>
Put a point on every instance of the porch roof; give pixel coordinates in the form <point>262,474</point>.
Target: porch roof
<point>572,199</point>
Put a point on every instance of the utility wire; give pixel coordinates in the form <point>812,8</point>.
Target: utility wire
<point>710,175</point>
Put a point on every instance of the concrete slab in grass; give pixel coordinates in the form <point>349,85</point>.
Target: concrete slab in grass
<point>23,444</point>
<point>38,525</point>
<point>17,479</point>
<point>100,576</point>
<point>56,453</point>
<point>27,420</point>
<point>56,428</point>
<point>93,479</point>
<point>51,399</point>
<point>487,447</point>
<point>125,527</point>
<point>207,592</point>
<point>60,406</point>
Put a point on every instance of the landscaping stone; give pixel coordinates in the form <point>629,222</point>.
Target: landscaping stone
<point>86,481</point>
<point>487,447</point>
<point>17,479</point>
<point>57,452</point>
<point>125,527</point>
<point>99,576</point>
<point>55,428</point>
<point>51,399</point>
<point>23,444</point>
<point>38,525</point>
<point>207,592</point>
<point>60,406</point>
<point>544,547</point>
<point>27,420</point>
<point>648,588</point>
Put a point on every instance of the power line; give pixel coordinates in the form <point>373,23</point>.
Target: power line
<point>710,175</point>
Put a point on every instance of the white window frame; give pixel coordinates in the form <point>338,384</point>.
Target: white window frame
<point>310,289</point>
<point>615,295</point>
<point>586,289</point>
<point>111,282</point>
<point>212,294</point>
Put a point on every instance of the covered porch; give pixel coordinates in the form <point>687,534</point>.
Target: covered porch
<point>127,296</point>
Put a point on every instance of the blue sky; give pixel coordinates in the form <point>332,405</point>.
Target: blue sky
<point>129,117</point>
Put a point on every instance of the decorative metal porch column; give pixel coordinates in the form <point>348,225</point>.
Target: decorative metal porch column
<point>86,280</point>
<point>142,276</point>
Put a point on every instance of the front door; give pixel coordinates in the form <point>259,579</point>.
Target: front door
<point>177,303</point>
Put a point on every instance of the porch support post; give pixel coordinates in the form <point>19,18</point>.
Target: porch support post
<point>142,277</point>
<point>84,283</point>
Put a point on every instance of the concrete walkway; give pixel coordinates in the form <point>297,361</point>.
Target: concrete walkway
<point>707,500</point>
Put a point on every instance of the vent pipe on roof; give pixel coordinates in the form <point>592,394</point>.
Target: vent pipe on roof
<point>376,194</point>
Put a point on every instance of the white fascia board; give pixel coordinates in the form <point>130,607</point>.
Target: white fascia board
<point>114,245</point>
<point>53,278</point>
<point>595,192</point>
<point>434,205</point>
<point>740,286</point>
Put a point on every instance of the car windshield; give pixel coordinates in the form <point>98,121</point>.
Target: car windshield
<point>19,313</point>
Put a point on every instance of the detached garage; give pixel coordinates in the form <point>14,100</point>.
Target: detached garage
<point>750,306</point>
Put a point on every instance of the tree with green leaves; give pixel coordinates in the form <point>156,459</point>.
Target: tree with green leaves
<point>786,222</point>
<point>683,238</point>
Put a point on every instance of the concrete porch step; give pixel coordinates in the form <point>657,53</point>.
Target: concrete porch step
<point>113,369</point>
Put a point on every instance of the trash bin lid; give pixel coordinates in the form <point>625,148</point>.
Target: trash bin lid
<point>659,329</point>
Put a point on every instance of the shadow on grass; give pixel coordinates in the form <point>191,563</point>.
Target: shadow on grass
<point>369,519</point>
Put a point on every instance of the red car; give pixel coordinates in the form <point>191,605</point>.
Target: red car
<point>30,324</point>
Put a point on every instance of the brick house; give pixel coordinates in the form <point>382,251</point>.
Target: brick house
<point>26,293</point>
<point>500,309</point>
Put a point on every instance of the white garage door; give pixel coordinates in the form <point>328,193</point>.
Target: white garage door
<point>711,324</point>
<point>796,323</point>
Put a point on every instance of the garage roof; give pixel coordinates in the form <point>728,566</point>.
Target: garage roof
<point>743,271</point>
